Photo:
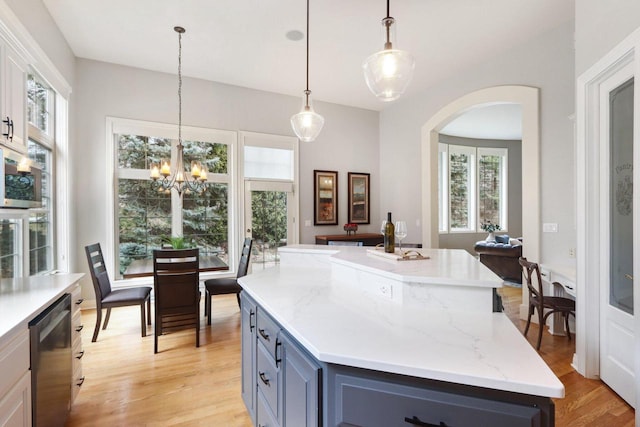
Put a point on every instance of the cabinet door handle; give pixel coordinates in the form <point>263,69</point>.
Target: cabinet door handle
<point>80,382</point>
<point>79,328</point>
<point>7,121</point>
<point>11,128</point>
<point>80,354</point>
<point>628,276</point>
<point>264,379</point>
<point>416,422</point>
<point>264,334</point>
<point>278,346</point>
<point>251,316</point>
<point>79,301</point>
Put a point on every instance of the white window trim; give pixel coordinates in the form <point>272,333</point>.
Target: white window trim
<point>476,153</point>
<point>115,126</point>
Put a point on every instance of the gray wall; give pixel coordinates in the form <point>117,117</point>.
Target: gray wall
<point>545,62</point>
<point>600,26</point>
<point>514,192</point>
<point>348,142</point>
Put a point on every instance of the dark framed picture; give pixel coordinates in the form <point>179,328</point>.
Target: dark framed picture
<point>325,202</point>
<point>359,198</point>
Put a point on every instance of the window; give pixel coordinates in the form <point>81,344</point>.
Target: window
<point>472,187</point>
<point>40,113</point>
<point>146,217</point>
<point>10,248</point>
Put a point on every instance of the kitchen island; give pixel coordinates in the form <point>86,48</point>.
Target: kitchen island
<point>371,358</point>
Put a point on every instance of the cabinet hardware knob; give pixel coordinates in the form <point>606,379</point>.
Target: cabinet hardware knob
<point>80,382</point>
<point>80,300</point>
<point>79,328</point>
<point>264,334</point>
<point>264,379</point>
<point>80,354</point>
<point>416,422</point>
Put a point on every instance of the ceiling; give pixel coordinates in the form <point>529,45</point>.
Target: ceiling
<point>497,121</point>
<point>243,43</point>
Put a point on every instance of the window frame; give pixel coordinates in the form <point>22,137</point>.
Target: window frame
<point>117,126</point>
<point>444,186</point>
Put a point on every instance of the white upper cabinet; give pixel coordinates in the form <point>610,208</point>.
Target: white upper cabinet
<point>13,96</point>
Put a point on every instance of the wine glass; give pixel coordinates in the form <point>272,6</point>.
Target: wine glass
<point>400,232</point>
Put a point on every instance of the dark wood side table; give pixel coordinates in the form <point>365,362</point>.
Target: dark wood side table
<point>367,239</point>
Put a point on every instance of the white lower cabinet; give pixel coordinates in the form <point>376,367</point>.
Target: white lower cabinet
<point>77,352</point>
<point>15,381</point>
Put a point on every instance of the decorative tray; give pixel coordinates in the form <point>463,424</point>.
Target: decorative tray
<point>397,255</point>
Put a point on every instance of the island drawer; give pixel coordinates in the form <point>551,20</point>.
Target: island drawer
<point>268,378</point>
<point>267,332</point>
<point>14,360</point>
<point>265,416</point>
<point>390,404</point>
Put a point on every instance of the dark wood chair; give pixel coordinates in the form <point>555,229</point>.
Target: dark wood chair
<point>176,285</point>
<point>109,298</point>
<point>228,285</point>
<point>545,305</point>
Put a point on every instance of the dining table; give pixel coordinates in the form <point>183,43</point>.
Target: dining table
<point>144,267</point>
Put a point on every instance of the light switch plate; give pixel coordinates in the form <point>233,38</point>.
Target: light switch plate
<point>549,227</point>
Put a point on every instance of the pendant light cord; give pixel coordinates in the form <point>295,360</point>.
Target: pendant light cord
<point>388,9</point>
<point>307,90</point>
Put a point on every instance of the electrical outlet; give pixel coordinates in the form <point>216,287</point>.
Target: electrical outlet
<point>307,223</point>
<point>572,252</point>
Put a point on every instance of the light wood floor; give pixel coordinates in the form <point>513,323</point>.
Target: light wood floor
<point>127,385</point>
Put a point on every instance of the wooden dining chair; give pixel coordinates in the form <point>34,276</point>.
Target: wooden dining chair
<point>177,291</point>
<point>228,285</point>
<point>545,305</point>
<point>109,298</point>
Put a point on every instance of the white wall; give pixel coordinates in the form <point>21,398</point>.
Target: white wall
<point>348,142</point>
<point>547,63</point>
<point>601,25</point>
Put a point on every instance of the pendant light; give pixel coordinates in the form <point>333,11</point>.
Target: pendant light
<point>389,71</point>
<point>164,179</point>
<point>307,124</point>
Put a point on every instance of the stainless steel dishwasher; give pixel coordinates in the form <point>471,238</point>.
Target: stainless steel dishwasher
<point>51,364</point>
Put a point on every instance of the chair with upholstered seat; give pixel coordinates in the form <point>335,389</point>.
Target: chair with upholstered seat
<point>176,284</point>
<point>109,298</point>
<point>545,305</point>
<point>228,285</point>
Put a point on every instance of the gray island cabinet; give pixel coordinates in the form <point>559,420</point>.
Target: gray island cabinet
<point>327,341</point>
<point>289,391</point>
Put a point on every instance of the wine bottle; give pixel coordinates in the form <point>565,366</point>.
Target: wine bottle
<point>389,239</point>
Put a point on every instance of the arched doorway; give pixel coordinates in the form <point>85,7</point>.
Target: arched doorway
<point>526,96</point>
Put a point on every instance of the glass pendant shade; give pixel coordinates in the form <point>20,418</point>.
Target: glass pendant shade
<point>389,71</point>
<point>307,124</point>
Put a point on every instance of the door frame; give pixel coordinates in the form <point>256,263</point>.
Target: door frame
<point>529,98</point>
<point>588,183</point>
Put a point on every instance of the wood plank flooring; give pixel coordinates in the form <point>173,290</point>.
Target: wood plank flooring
<point>127,385</point>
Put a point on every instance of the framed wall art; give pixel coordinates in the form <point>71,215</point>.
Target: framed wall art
<point>325,202</point>
<point>359,198</point>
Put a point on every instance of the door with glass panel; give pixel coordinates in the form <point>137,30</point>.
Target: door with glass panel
<point>269,220</point>
<point>617,235</point>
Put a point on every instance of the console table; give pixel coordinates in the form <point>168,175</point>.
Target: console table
<point>367,239</point>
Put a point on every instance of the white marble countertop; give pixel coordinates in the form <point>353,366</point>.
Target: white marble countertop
<point>343,324</point>
<point>22,299</point>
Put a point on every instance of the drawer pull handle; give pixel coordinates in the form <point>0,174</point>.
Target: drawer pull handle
<point>264,379</point>
<point>80,382</point>
<point>416,422</point>
<point>264,334</point>
<point>251,316</point>
<point>79,301</point>
<point>80,354</point>
<point>79,328</point>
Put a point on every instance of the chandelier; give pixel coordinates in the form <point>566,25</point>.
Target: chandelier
<point>180,179</point>
<point>307,124</point>
<point>389,71</point>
